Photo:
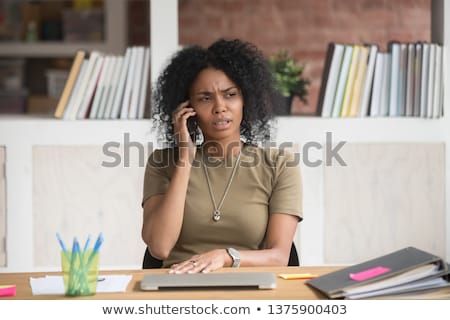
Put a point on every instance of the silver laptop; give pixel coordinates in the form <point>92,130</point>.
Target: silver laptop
<point>236,280</point>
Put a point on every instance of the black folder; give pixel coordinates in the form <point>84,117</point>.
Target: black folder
<point>408,269</point>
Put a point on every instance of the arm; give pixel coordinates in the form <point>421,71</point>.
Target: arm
<point>163,213</point>
<point>277,245</point>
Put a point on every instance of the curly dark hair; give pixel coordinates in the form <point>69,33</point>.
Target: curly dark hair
<point>242,62</point>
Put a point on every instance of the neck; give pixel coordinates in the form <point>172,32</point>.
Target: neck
<point>222,149</point>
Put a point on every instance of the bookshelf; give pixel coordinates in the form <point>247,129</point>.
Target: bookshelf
<point>36,67</point>
<point>2,208</point>
<point>22,135</point>
<point>114,42</point>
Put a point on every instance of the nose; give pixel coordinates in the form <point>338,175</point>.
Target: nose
<point>219,105</point>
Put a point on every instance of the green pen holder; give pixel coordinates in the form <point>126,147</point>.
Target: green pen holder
<point>80,273</point>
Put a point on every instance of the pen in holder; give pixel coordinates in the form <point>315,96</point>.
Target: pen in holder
<point>80,268</point>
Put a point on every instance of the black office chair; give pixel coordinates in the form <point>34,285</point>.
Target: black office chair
<point>151,262</point>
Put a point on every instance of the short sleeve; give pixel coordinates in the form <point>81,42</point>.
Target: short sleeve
<point>287,190</point>
<point>157,173</point>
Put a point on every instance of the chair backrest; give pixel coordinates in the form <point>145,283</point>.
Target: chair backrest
<point>293,257</point>
<point>151,262</point>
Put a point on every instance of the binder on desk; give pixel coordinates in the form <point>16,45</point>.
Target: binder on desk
<point>400,272</point>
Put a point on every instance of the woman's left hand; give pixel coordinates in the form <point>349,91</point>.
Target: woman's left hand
<point>205,262</point>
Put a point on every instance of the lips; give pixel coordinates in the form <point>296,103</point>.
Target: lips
<point>222,124</point>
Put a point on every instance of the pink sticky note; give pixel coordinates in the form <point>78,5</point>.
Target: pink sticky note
<point>6,291</point>
<point>369,273</point>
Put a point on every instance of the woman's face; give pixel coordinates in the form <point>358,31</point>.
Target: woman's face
<point>218,103</point>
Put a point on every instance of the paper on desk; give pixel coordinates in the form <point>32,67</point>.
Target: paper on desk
<point>291,276</point>
<point>54,284</point>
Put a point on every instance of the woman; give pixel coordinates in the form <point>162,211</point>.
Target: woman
<point>224,202</point>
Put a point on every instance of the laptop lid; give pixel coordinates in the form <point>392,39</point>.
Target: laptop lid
<point>238,280</point>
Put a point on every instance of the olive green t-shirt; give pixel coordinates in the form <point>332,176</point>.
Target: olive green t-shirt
<point>266,181</point>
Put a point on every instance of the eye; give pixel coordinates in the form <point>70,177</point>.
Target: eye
<point>204,98</point>
<point>231,94</point>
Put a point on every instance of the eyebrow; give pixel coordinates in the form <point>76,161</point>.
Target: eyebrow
<point>224,90</point>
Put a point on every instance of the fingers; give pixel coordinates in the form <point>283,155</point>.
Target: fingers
<point>205,262</point>
<point>182,112</point>
<point>193,265</point>
<point>179,121</point>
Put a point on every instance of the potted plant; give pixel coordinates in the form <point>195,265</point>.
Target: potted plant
<point>288,76</point>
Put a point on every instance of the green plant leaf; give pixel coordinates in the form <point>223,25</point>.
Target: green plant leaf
<point>288,75</point>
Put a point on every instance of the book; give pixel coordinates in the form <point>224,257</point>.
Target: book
<point>410,72</point>
<point>70,83</point>
<point>122,79</point>
<point>343,74</point>
<point>86,102</point>
<point>124,110</point>
<point>417,78</point>
<point>144,84</point>
<point>430,90</point>
<point>106,88</point>
<point>330,76</point>
<point>402,74</point>
<point>68,111</point>
<point>424,79</point>
<point>394,51</point>
<point>406,270</point>
<point>375,103</point>
<point>84,81</point>
<point>420,294</point>
<point>348,91</point>
<point>437,93</point>
<point>385,85</point>
<point>355,99</point>
<point>136,83</point>
<point>100,90</point>
<point>441,84</point>
<point>368,81</point>
<point>113,87</point>
<point>421,278</point>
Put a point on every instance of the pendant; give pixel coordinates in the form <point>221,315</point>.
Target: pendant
<point>216,215</point>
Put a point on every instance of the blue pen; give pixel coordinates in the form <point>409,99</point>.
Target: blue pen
<point>72,274</point>
<point>76,247</point>
<point>63,246</point>
<point>97,245</point>
<point>86,245</point>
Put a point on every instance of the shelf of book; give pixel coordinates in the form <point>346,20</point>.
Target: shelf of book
<point>114,39</point>
<point>288,129</point>
<point>55,49</point>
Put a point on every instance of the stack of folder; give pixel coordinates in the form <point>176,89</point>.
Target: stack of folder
<point>409,273</point>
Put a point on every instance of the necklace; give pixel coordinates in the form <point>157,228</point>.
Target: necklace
<point>217,213</point>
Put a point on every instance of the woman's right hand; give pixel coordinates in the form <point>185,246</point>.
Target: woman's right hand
<point>186,146</point>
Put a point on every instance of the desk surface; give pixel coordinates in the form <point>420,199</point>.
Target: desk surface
<point>286,289</point>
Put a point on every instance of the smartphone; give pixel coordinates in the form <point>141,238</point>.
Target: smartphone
<point>192,128</point>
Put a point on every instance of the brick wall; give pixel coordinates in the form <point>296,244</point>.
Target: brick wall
<point>138,22</point>
<point>303,27</point>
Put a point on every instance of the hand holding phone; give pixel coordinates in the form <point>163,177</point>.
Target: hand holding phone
<point>184,119</point>
<point>192,128</point>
